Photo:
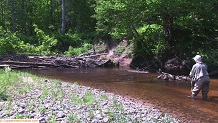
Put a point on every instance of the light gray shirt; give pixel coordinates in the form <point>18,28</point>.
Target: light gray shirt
<point>198,70</point>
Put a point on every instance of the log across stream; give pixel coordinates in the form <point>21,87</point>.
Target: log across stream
<point>36,61</point>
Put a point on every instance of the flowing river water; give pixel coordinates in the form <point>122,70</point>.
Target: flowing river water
<point>168,96</point>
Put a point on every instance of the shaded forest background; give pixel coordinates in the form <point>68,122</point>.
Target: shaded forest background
<point>159,30</point>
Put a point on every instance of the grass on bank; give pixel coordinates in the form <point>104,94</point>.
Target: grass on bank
<point>7,79</point>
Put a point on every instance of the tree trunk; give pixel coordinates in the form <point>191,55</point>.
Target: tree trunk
<point>52,5</point>
<point>23,18</point>
<point>30,21</point>
<point>78,26</point>
<point>63,18</point>
<point>167,21</point>
<point>2,15</point>
<point>13,16</point>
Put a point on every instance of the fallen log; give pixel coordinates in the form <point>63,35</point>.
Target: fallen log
<point>167,76</point>
<point>27,63</point>
<point>4,65</point>
<point>138,71</point>
<point>24,61</point>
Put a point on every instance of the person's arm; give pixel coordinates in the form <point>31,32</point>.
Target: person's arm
<point>191,74</point>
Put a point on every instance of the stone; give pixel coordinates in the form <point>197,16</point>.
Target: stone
<point>60,114</point>
<point>105,119</point>
<point>21,110</point>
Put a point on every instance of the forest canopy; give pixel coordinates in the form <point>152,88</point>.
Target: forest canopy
<point>158,29</point>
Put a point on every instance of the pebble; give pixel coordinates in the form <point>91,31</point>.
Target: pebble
<point>60,114</point>
<point>105,119</point>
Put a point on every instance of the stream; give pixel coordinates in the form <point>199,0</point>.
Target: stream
<point>167,96</point>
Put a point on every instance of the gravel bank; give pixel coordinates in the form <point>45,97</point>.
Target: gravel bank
<point>62,102</point>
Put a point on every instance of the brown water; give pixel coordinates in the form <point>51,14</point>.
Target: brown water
<point>168,96</point>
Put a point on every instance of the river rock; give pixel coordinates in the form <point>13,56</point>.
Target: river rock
<point>21,110</point>
<point>60,114</point>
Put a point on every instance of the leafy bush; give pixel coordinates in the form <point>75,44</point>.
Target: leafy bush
<point>210,57</point>
<point>73,51</point>
<point>64,41</point>
<point>45,42</point>
<point>79,50</point>
<point>119,50</point>
<point>9,42</point>
<point>151,42</point>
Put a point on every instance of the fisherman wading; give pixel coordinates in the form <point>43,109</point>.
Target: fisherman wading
<point>200,78</point>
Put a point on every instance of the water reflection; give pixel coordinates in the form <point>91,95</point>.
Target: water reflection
<point>169,96</point>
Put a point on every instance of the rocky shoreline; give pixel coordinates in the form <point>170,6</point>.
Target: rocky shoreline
<point>63,102</point>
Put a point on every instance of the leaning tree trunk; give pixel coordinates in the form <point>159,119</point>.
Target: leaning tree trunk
<point>135,32</point>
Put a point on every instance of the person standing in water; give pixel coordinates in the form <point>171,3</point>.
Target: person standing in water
<point>200,78</point>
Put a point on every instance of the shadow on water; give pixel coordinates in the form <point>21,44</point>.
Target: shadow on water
<point>168,96</point>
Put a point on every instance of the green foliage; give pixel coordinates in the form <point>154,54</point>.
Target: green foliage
<point>77,51</point>
<point>87,46</point>
<point>9,42</point>
<point>119,18</point>
<point>104,96</point>
<point>74,40</point>
<point>152,43</point>
<point>209,56</point>
<point>46,14</point>
<point>73,51</point>
<point>53,119</point>
<point>69,39</point>
<point>119,50</point>
<point>73,118</point>
<point>76,83</point>
<point>77,100</point>
<point>88,98</point>
<point>41,109</point>
<point>18,116</point>
<point>45,42</point>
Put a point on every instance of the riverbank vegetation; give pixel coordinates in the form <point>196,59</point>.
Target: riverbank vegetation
<point>158,30</point>
<point>24,96</point>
